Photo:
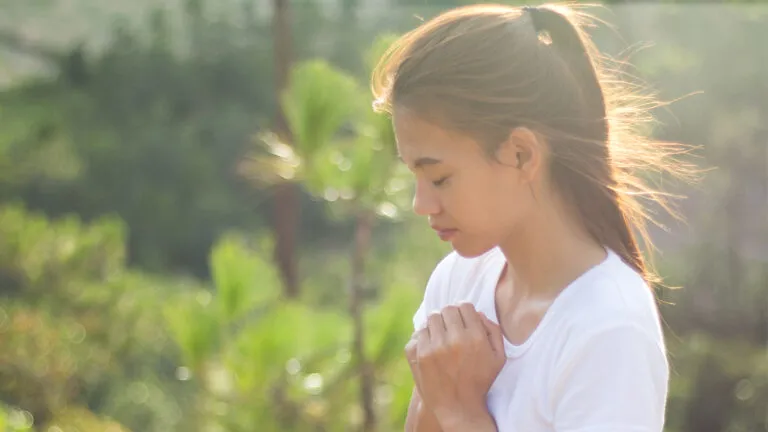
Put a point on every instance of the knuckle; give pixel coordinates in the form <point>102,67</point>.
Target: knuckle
<point>434,318</point>
<point>424,356</point>
<point>450,308</point>
<point>410,347</point>
<point>442,350</point>
<point>454,344</point>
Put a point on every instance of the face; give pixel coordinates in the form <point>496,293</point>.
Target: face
<point>469,198</point>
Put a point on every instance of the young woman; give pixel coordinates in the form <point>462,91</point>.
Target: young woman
<point>543,318</point>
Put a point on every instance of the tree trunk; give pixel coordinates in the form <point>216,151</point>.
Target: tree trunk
<point>286,197</point>
<point>363,234</point>
<point>285,224</point>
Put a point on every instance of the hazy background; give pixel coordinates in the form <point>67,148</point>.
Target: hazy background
<point>143,194</point>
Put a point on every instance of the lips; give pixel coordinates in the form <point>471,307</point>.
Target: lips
<point>445,234</point>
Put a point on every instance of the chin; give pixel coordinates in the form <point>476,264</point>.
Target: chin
<point>471,250</point>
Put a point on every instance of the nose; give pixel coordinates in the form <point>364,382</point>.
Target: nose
<point>425,201</point>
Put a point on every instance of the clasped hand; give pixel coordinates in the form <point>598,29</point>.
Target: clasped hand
<point>454,361</point>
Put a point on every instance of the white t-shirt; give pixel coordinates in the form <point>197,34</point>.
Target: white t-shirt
<point>595,363</point>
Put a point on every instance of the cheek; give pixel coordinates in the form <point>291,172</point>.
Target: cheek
<point>506,204</point>
<point>482,203</point>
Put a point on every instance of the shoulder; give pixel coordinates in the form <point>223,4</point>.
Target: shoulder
<point>612,295</point>
<point>613,341</point>
<point>611,308</point>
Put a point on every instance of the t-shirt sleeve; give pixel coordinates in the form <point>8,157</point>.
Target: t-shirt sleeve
<point>435,291</point>
<point>613,381</point>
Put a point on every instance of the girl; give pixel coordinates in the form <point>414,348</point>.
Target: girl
<point>542,319</point>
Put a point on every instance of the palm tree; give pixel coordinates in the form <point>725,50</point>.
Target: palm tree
<point>352,170</point>
<point>286,194</point>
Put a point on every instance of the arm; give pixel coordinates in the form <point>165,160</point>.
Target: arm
<point>613,380</point>
<point>419,418</point>
<point>422,419</point>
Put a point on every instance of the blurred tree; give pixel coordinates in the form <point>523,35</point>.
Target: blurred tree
<point>148,134</point>
<point>81,334</point>
<point>284,364</point>
<point>344,153</point>
<point>151,127</point>
<point>286,193</point>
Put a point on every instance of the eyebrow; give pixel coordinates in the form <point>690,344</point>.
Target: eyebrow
<point>423,161</point>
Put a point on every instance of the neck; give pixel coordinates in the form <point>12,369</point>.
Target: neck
<point>548,253</point>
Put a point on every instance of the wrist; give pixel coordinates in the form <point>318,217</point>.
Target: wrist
<point>476,419</point>
<point>426,420</point>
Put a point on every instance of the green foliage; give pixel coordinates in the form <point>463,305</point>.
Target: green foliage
<point>736,369</point>
<point>37,255</point>
<point>387,330</point>
<point>318,102</point>
<point>341,148</point>
<point>236,273</point>
<point>148,134</point>
<point>33,145</point>
<point>201,323</point>
<point>291,348</point>
<point>194,326</point>
<point>88,324</point>
<point>143,139</point>
<point>82,419</point>
<point>14,420</point>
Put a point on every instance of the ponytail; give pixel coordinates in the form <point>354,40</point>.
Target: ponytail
<point>566,39</point>
<point>597,201</point>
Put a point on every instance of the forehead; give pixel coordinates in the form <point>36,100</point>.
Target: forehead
<point>419,138</point>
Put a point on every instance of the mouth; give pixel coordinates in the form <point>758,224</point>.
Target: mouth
<point>445,234</point>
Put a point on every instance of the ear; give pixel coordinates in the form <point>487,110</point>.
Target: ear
<point>523,150</point>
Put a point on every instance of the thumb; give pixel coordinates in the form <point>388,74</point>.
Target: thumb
<point>495,335</point>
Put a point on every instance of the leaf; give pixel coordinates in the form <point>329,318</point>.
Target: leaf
<point>289,330</point>
<point>318,102</point>
<point>244,278</point>
<point>195,328</point>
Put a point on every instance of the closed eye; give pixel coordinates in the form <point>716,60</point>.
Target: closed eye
<point>440,182</point>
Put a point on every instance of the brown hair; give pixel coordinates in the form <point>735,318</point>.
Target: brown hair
<point>486,69</point>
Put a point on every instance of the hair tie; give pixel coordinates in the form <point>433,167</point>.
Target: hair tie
<point>532,12</point>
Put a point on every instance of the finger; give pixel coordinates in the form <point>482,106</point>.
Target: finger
<point>422,341</point>
<point>495,336</point>
<point>436,328</point>
<point>452,319</point>
<point>411,348</point>
<point>472,319</point>
<point>412,355</point>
